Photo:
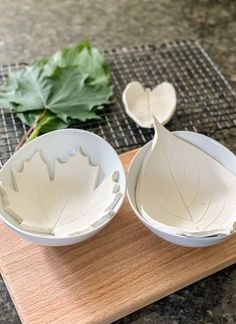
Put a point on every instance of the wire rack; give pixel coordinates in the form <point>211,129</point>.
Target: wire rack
<point>206,101</point>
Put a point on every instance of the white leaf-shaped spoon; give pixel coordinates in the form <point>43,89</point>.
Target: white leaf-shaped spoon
<point>142,104</point>
<point>183,190</point>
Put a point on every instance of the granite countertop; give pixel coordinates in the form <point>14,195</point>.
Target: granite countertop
<point>31,29</point>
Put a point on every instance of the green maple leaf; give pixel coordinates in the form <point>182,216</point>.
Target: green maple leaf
<point>53,93</point>
<point>88,59</point>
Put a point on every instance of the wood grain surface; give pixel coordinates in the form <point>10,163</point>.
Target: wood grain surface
<point>120,270</point>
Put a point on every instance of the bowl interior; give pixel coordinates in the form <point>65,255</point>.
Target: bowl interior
<point>210,146</point>
<point>58,145</point>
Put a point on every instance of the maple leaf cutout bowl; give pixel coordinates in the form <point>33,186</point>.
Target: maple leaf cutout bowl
<point>61,188</point>
<point>225,157</point>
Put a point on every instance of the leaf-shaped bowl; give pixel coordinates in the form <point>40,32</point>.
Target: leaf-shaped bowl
<point>208,145</point>
<point>59,146</point>
<point>142,104</point>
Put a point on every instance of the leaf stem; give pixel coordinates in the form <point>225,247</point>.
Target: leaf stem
<point>23,138</point>
<point>32,132</point>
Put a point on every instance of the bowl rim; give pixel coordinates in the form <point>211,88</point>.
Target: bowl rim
<point>133,203</point>
<point>50,236</point>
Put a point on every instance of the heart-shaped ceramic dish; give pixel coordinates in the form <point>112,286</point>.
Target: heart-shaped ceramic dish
<point>142,104</point>
<point>213,148</point>
<point>58,145</point>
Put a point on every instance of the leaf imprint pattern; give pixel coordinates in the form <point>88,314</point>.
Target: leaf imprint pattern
<point>185,191</point>
<point>142,104</point>
<point>69,204</point>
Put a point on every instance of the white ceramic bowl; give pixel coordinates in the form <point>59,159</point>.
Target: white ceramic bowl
<point>58,145</point>
<point>210,146</point>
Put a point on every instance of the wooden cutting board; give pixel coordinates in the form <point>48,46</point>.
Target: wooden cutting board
<point>120,270</point>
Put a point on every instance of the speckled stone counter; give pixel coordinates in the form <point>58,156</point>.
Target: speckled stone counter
<point>30,29</point>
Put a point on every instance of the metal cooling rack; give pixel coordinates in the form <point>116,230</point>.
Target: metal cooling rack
<point>206,102</point>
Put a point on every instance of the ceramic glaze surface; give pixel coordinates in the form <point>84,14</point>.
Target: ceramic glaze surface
<point>142,104</point>
<point>55,146</point>
<point>216,150</point>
